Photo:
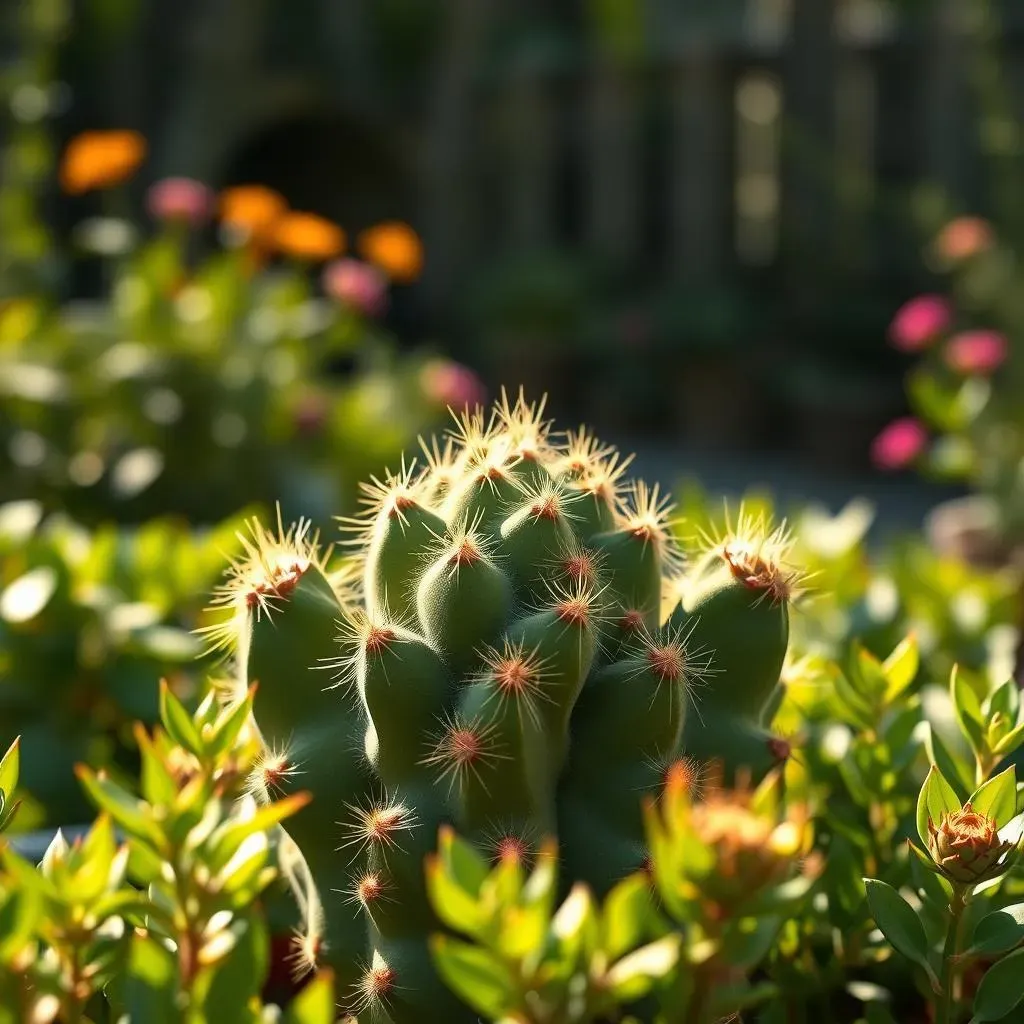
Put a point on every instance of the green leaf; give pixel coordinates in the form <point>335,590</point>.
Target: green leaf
<point>224,843</point>
<point>968,711</point>
<point>897,921</point>
<point>9,766</point>
<point>627,910</point>
<point>151,984</point>
<point>20,910</point>
<point>935,800</point>
<point>230,724</point>
<point>1005,698</point>
<point>315,1003</point>
<point>475,976</point>
<point>132,814</point>
<point>1001,988</point>
<point>452,904</point>
<point>900,668</point>
<point>867,671</point>
<point>178,722</point>
<point>998,932</point>
<point>752,940</point>
<point>1010,742</point>
<point>461,861</point>
<point>957,772</point>
<point>997,798</point>
<point>634,975</point>
<point>238,977</point>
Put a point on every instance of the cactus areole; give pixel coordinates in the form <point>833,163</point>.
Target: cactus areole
<point>513,647</point>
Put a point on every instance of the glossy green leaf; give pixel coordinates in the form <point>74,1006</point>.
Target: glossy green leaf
<point>9,767</point>
<point>225,842</point>
<point>1001,989</point>
<point>955,769</point>
<point>132,814</point>
<point>998,932</point>
<point>467,867</point>
<point>230,725</point>
<point>315,1003</point>
<point>475,976</point>
<point>897,921</point>
<point>968,711</point>
<point>900,668</point>
<point>633,976</point>
<point>997,798</point>
<point>1005,698</point>
<point>1010,742</point>
<point>935,800</point>
<point>237,978</point>
<point>626,915</point>
<point>151,984</point>
<point>453,905</point>
<point>178,722</point>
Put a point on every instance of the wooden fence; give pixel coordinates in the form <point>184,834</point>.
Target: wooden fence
<point>777,137</point>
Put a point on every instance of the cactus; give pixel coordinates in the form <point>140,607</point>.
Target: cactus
<point>511,651</point>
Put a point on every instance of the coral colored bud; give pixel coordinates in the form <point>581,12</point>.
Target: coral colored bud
<point>976,352</point>
<point>919,322</point>
<point>451,384</point>
<point>356,285</point>
<point>899,444</point>
<point>180,199</point>
<point>963,238</point>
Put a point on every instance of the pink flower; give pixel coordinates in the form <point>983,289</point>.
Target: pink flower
<point>964,237</point>
<point>978,352</point>
<point>919,322</point>
<point>180,199</point>
<point>451,384</point>
<point>311,412</point>
<point>356,285</point>
<point>899,444</point>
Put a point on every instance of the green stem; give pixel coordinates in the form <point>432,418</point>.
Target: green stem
<point>947,1010</point>
<point>696,1012</point>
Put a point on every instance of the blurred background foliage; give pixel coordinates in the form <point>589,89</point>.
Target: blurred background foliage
<point>250,252</point>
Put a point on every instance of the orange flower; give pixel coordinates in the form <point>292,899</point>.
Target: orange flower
<point>251,208</point>
<point>100,159</point>
<point>308,236</point>
<point>395,248</point>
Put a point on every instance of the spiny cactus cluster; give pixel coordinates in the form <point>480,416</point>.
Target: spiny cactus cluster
<point>516,650</point>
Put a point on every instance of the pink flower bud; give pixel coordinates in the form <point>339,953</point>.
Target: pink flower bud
<point>976,352</point>
<point>357,285</point>
<point>180,199</point>
<point>919,322</point>
<point>899,444</point>
<point>963,238</point>
<point>451,384</point>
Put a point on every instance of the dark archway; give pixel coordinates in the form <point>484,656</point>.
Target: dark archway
<point>330,163</point>
<point>345,168</point>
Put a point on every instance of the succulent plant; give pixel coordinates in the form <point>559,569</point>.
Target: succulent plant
<point>512,650</point>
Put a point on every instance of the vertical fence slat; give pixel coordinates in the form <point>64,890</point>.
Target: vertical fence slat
<point>530,156</point>
<point>808,143</point>
<point>612,163</point>
<point>702,179</point>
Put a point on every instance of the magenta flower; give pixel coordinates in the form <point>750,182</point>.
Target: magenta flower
<point>357,285</point>
<point>180,199</point>
<point>899,444</point>
<point>919,322</point>
<point>451,384</point>
<point>976,352</point>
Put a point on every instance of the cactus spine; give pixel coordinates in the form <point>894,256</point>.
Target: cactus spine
<point>497,655</point>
